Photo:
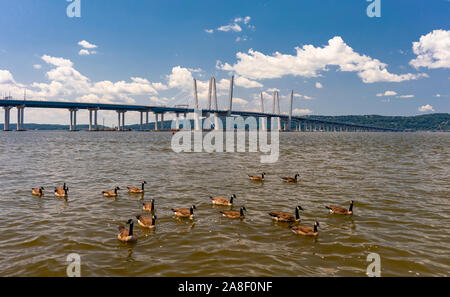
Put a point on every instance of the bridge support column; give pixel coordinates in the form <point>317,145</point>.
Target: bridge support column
<point>90,119</point>
<point>7,117</point>
<point>141,120</point>
<point>162,121</point>
<point>121,120</point>
<point>146,120</point>
<point>177,121</point>
<point>95,120</point>
<point>73,119</point>
<point>216,122</point>
<point>156,122</point>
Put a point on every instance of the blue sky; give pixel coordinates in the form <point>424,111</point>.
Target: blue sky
<point>337,59</point>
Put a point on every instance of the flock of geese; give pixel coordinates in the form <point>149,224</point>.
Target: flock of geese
<point>127,234</point>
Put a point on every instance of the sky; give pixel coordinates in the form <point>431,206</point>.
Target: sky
<point>337,59</point>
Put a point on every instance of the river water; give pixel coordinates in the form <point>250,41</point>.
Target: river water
<point>400,183</point>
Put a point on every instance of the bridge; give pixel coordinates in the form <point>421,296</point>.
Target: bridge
<point>285,122</point>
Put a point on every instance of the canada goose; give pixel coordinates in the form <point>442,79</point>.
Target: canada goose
<point>61,189</point>
<point>291,179</point>
<point>146,222</point>
<point>235,214</point>
<point>306,230</point>
<point>127,235</point>
<point>111,193</point>
<point>61,193</point>
<point>341,210</point>
<point>38,191</point>
<point>257,177</point>
<point>137,190</point>
<point>184,213</point>
<point>149,206</point>
<point>286,217</point>
<point>223,201</point>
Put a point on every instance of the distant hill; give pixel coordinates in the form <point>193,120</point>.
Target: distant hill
<point>428,122</point>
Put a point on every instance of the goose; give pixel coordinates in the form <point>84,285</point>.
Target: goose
<point>61,188</point>
<point>38,191</point>
<point>291,179</point>
<point>223,201</point>
<point>286,217</point>
<point>137,190</point>
<point>61,193</point>
<point>149,206</point>
<point>306,230</point>
<point>184,213</point>
<point>127,235</point>
<point>111,193</point>
<point>341,210</point>
<point>235,214</point>
<point>146,222</point>
<point>257,177</point>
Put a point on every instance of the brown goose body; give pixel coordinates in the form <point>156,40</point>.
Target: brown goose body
<point>149,206</point>
<point>61,193</point>
<point>111,193</point>
<point>235,214</point>
<point>136,190</point>
<point>286,217</point>
<point>61,189</point>
<point>127,235</point>
<point>291,179</point>
<point>257,177</point>
<point>341,210</point>
<point>183,212</point>
<point>306,230</point>
<point>222,200</point>
<point>38,191</point>
<point>146,222</point>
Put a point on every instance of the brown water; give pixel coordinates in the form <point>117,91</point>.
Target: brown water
<point>400,183</point>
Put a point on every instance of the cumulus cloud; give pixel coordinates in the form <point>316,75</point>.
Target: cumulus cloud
<point>432,50</point>
<point>319,85</point>
<point>301,111</point>
<point>426,108</point>
<point>209,31</point>
<point>387,93</point>
<point>6,77</point>
<point>406,96</point>
<point>86,44</point>
<point>309,61</point>
<point>84,52</point>
<point>231,27</point>
<point>37,66</point>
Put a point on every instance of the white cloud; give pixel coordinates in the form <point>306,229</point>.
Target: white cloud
<point>37,66</point>
<point>84,52</point>
<point>180,78</point>
<point>432,50</point>
<point>239,101</point>
<point>6,77</point>
<point>209,31</point>
<point>301,111</point>
<point>319,85</point>
<point>426,108</point>
<point>231,27</point>
<point>310,60</point>
<point>247,83</point>
<point>437,95</point>
<point>387,93</point>
<point>247,20</point>
<point>86,44</point>
<point>406,96</point>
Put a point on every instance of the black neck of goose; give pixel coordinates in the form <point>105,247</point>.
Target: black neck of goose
<point>297,214</point>
<point>64,186</point>
<point>242,212</point>
<point>130,233</point>
<point>231,199</point>
<point>142,187</point>
<point>351,207</point>
<point>153,204</point>
<point>192,210</point>
<point>40,191</point>
<point>115,191</point>
<point>153,221</point>
<point>315,228</point>
<point>262,175</point>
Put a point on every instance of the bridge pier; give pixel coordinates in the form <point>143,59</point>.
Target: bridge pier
<point>121,120</point>
<point>20,114</point>
<point>91,126</point>
<point>73,119</point>
<point>141,123</point>
<point>156,122</point>
<point>7,117</point>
